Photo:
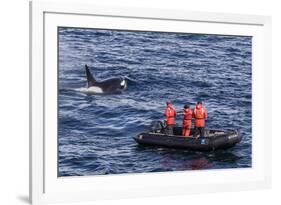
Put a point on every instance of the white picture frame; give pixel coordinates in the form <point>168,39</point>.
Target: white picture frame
<point>46,187</point>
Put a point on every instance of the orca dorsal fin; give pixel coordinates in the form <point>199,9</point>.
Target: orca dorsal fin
<point>90,79</point>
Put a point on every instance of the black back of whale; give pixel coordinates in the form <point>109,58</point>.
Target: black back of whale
<point>108,86</point>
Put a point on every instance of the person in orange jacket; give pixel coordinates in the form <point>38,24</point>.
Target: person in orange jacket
<point>187,120</point>
<point>200,114</point>
<point>170,113</point>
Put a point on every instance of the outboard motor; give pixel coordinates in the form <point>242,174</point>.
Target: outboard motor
<point>157,127</point>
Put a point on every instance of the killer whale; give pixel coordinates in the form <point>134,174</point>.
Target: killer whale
<point>111,85</point>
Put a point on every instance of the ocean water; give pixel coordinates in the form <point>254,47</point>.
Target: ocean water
<point>95,132</point>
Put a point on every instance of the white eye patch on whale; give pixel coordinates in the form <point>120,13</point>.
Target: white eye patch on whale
<point>111,85</point>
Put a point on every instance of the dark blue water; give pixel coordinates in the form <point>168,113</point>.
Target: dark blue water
<point>95,131</point>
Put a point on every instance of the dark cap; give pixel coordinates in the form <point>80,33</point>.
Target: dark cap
<point>186,106</point>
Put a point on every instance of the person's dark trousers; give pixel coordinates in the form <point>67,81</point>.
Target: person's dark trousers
<point>199,130</point>
<point>170,129</point>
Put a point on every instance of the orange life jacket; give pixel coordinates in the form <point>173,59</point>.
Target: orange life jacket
<point>170,113</point>
<point>187,117</point>
<point>200,114</point>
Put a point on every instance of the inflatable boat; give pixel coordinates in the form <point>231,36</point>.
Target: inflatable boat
<point>212,140</point>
